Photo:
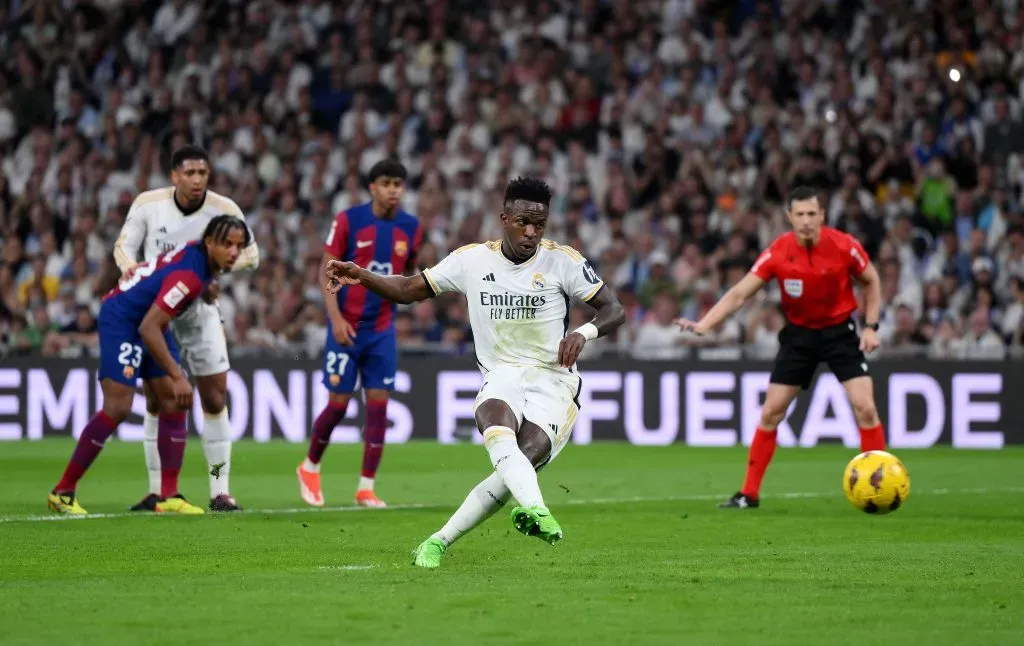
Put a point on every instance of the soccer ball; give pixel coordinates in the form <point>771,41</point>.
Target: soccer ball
<point>876,482</point>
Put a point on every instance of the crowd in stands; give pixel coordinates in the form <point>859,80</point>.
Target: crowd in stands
<point>671,131</point>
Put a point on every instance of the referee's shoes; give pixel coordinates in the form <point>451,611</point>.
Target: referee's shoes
<point>740,500</point>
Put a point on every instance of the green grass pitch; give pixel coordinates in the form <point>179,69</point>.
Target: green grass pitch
<point>647,558</point>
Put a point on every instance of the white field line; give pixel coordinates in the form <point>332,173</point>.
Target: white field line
<point>589,501</point>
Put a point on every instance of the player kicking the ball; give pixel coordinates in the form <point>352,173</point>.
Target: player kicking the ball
<point>815,267</point>
<point>135,342</point>
<point>158,221</point>
<point>518,290</point>
<point>383,239</point>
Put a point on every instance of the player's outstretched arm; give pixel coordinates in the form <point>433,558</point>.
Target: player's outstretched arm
<point>399,289</point>
<point>726,306</point>
<point>610,315</point>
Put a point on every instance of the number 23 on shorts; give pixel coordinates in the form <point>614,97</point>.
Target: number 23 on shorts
<point>130,357</point>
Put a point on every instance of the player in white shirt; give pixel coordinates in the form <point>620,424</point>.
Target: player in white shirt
<point>158,221</point>
<point>519,291</point>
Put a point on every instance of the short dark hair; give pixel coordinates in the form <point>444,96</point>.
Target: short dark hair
<point>221,225</point>
<point>388,168</point>
<point>800,193</point>
<point>529,189</point>
<point>190,152</point>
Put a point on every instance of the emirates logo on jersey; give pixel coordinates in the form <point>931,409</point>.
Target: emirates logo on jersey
<point>794,287</point>
<point>512,307</point>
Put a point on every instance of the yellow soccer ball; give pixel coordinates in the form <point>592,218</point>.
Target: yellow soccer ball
<point>876,482</point>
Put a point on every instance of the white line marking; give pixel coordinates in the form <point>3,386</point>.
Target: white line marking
<point>588,501</point>
<point>344,567</point>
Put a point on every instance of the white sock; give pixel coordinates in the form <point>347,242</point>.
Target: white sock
<point>513,466</point>
<point>217,447</point>
<point>309,466</point>
<point>150,429</point>
<point>365,483</point>
<point>481,503</point>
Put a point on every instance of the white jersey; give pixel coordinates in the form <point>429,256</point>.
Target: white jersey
<point>519,312</point>
<point>156,225</point>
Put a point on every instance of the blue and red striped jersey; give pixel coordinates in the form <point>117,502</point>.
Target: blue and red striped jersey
<point>171,281</point>
<point>386,247</point>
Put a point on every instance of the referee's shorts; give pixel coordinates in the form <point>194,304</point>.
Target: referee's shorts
<point>801,349</point>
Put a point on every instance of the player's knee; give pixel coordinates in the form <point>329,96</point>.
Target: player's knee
<point>116,410</point>
<point>495,412</point>
<point>866,413</point>
<point>213,401</point>
<point>169,406</point>
<point>772,416</point>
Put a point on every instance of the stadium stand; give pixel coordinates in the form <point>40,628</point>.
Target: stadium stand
<point>670,129</point>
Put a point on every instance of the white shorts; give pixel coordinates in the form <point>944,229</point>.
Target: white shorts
<point>547,398</point>
<point>200,334</point>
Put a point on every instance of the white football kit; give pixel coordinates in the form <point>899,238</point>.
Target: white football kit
<point>520,314</point>
<point>156,225</point>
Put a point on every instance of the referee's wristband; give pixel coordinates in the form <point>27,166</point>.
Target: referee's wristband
<point>588,330</point>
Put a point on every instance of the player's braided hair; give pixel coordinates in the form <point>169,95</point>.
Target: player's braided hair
<point>529,189</point>
<point>220,226</point>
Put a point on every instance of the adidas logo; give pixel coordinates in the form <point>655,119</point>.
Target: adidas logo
<point>554,428</point>
<point>162,230</point>
<point>489,278</point>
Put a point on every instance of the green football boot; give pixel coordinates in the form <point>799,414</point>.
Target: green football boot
<point>428,554</point>
<point>537,521</point>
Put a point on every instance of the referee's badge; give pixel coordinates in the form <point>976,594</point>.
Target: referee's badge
<point>794,287</point>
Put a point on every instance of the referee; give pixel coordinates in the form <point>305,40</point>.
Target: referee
<point>815,267</point>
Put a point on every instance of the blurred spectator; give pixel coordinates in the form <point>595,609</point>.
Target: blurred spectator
<point>75,338</point>
<point>980,341</point>
<point>1013,317</point>
<point>763,331</point>
<point>658,337</point>
<point>670,129</point>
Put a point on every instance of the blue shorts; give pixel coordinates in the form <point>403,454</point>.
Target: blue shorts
<point>123,355</point>
<point>373,358</point>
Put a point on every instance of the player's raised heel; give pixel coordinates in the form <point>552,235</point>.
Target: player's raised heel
<point>740,500</point>
<point>178,504</point>
<point>366,498</point>
<point>65,503</point>
<point>428,553</point>
<point>537,521</point>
